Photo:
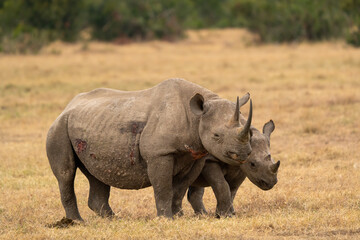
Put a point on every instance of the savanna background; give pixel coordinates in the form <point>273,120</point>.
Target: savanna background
<point>298,59</point>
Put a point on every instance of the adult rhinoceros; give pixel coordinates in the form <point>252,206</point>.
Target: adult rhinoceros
<point>133,140</point>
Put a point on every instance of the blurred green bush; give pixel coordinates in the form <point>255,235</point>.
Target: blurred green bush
<point>137,19</point>
<point>352,10</point>
<point>25,26</point>
<point>287,20</point>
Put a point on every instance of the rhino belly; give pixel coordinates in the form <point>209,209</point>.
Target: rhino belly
<point>200,182</point>
<point>112,158</point>
<point>117,170</point>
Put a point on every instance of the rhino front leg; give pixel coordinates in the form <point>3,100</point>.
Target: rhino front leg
<point>195,197</point>
<point>234,186</point>
<point>98,195</point>
<point>160,171</point>
<point>214,176</point>
<point>180,185</point>
<point>233,194</point>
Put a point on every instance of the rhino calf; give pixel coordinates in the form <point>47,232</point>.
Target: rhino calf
<point>133,140</point>
<point>226,179</point>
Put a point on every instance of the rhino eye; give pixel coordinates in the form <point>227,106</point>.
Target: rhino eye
<point>216,137</point>
<point>252,164</point>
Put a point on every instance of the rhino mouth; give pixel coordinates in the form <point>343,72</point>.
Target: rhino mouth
<point>236,157</point>
<point>225,157</point>
<point>231,161</point>
<point>265,185</point>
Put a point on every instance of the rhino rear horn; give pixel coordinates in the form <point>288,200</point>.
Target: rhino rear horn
<point>235,120</point>
<point>244,133</point>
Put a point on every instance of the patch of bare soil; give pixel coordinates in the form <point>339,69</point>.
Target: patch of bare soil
<point>63,223</point>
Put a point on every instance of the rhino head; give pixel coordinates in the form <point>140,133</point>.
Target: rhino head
<point>220,130</point>
<point>260,167</point>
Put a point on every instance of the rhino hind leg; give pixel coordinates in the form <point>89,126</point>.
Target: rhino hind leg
<point>195,196</point>
<point>62,161</point>
<point>98,195</point>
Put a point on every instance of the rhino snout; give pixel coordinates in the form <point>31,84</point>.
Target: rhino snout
<point>249,152</point>
<point>265,185</point>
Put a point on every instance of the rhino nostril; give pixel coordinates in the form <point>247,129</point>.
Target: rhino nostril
<point>249,153</point>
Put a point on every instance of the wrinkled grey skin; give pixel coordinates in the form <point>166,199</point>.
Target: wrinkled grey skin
<point>133,140</point>
<point>226,179</point>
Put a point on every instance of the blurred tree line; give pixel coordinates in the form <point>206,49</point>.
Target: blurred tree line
<point>27,25</point>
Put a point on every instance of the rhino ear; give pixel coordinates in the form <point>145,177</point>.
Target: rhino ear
<point>244,99</point>
<point>268,128</point>
<point>197,104</point>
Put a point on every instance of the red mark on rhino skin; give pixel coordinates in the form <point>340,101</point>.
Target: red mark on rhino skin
<point>81,145</point>
<point>136,129</point>
<point>132,159</point>
<point>195,154</point>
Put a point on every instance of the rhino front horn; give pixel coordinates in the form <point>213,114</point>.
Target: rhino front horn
<point>244,133</point>
<point>274,168</point>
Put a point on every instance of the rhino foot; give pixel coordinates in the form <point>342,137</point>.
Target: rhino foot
<point>223,214</point>
<point>178,212</point>
<point>201,212</point>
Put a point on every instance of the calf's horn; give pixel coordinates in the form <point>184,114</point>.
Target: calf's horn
<point>275,167</point>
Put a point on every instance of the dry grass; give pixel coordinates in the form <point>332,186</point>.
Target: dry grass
<point>311,91</point>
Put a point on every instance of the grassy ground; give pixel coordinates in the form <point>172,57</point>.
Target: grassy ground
<point>311,91</point>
